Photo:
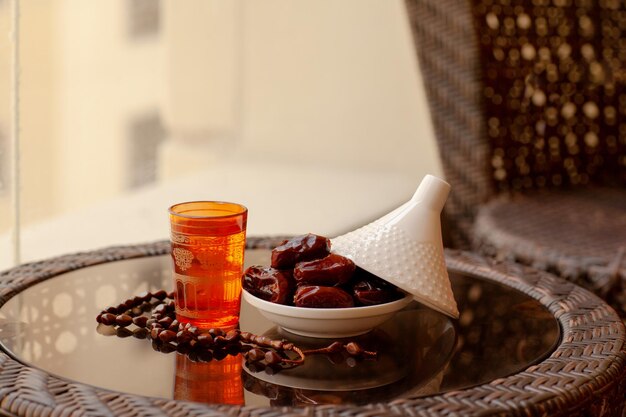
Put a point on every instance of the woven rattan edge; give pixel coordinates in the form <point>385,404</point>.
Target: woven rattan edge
<point>585,375</point>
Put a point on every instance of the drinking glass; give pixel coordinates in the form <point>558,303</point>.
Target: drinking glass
<point>208,241</point>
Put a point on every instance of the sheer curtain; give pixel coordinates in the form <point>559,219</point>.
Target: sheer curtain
<point>9,133</point>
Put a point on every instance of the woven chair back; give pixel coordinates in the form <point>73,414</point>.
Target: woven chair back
<point>524,94</point>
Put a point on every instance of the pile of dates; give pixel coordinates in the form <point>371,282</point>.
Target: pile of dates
<point>303,273</point>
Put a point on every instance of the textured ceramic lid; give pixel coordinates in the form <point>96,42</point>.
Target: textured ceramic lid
<point>405,247</point>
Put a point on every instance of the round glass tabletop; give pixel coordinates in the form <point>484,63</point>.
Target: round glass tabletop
<point>52,326</point>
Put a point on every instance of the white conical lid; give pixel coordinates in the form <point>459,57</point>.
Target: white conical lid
<point>405,248</point>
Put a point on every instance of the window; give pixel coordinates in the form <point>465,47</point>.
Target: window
<point>145,135</point>
<point>144,17</point>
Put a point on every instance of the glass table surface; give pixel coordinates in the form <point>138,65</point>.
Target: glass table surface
<point>52,326</point>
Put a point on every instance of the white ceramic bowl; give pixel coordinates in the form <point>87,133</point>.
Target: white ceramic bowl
<point>327,322</point>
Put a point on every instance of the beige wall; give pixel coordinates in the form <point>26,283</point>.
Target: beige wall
<point>334,82</point>
<point>292,85</point>
<point>104,80</point>
<point>202,41</point>
<point>310,81</point>
<point>316,82</point>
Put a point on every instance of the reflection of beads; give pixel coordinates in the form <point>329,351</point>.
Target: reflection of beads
<point>169,335</point>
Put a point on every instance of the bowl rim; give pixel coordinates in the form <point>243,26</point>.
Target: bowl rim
<point>327,313</point>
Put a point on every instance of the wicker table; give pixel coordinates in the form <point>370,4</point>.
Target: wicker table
<point>527,343</point>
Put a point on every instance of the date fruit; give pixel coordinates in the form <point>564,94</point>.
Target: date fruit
<point>315,296</point>
<point>299,249</point>
<point>332,270</point>
<point>269,284</point>
<point>320,279</point>
<point>370,290</point>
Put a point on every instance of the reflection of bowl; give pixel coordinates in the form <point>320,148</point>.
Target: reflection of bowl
<point>327,322</point>
<point>413,352</point>
<point>332,372</point>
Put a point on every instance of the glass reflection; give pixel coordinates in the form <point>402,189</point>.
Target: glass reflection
<point>500,328</point>
<point>413,352</point>
<point>213,382</point>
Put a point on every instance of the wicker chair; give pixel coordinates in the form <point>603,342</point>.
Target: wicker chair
<point>528,101</point>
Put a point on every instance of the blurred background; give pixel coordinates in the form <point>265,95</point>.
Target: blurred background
<point>310,112</point>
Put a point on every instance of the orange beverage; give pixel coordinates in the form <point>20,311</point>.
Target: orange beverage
<point>214,382</point>
<point>208,241</point>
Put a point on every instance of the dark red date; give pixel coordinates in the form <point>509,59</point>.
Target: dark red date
<point>322,297</point>
<point>300,249</point>
<point>333,270</point>
<point>268,284</point>
<point>323,280</point>
<point>370,290</point>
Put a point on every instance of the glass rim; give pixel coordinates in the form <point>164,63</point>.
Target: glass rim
<point>243,209</point>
